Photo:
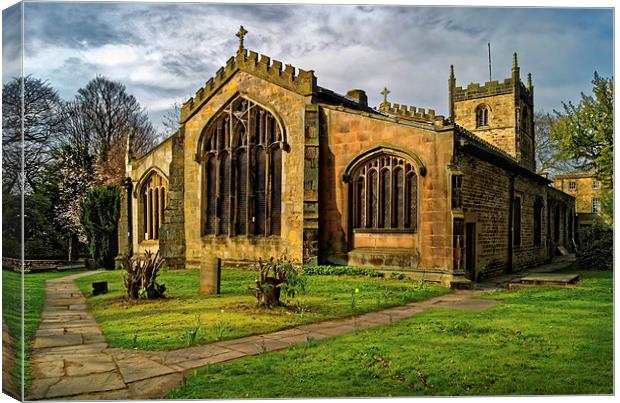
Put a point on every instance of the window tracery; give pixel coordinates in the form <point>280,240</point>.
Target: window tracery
<point>482,116</point>
<point>154,200</point>
<point>242,163</point>
<point>385,194</point>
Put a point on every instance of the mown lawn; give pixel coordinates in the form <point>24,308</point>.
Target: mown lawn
<point>34,299</point>
<point>537,341</point>
<point>164,324</point>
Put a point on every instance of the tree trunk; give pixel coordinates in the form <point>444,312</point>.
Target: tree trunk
<point>73,248</point>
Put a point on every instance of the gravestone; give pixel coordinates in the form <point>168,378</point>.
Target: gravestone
<point>210,272</point>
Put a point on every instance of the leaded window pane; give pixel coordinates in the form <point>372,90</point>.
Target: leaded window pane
<point>247,191</point>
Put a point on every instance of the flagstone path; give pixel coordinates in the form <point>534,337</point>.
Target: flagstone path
<point>70,358</point>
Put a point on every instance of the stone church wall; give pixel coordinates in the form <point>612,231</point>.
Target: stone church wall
<point>157,159</point>
<point>485,197</point>
<point>344,135</point>
<point>289,106</point>
<point>486,202</point>
<point>527,254</point>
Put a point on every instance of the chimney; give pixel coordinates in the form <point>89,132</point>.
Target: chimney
<point>358,96</point>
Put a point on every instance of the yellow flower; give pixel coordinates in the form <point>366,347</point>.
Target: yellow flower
<point>357,290</point>
<point>221,311</point>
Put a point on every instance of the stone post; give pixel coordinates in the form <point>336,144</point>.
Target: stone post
<point>210,274</point>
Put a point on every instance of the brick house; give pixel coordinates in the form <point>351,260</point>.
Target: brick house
<point>267,162</point>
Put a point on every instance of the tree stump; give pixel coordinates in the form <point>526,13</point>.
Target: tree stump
<point>268,293</point>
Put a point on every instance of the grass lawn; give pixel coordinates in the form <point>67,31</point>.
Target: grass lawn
<point>34,287</point>
<point>537,341</point>
<point>164,324</point>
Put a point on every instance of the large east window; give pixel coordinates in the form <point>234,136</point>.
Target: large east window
<point>385,194</point>
<point>242,171</point>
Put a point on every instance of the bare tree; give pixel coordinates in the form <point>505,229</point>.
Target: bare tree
<point>548,161</point>
<point>170,120</point>
<point>110,114</point>
<point>95,127</point>
<point>41,107</point>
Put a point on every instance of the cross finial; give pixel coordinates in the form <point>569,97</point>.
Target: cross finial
<point>241,35</point>
<point>385,93</point>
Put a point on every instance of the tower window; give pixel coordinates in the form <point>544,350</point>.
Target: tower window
<point>572,185</point>
<point>482,116</point>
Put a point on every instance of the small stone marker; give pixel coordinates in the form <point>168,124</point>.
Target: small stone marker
<point>100,287</point>
<point>210,272</point>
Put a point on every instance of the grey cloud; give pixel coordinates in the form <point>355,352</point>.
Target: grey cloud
<point>409,49</point>
<point>11,42</point>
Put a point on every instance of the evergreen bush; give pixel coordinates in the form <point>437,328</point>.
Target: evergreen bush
<point>99,213</point>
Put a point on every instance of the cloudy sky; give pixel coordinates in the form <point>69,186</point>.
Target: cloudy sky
<point>164,52</point>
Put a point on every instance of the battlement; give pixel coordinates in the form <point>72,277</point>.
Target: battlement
<point>488,89</point>
<point>297,80</point>
<point>412,113</point>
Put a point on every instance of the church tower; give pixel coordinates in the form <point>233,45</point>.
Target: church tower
<point>500,113</point>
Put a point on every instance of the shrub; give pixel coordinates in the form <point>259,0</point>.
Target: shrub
<point>140,276</point>
<point>277,277</point>
<point>597,249</point>
<point>398,275</point>
<point>99,213</point>
<point>340,271</point>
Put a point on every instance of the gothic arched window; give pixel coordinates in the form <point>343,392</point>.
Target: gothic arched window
<point>153,202</point>
<point>385,194</point>
<point>482,116</point>
<point>241,156</point>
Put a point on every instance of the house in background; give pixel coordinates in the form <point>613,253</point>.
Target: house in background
<point>267,162</point>
<point>588,193</point>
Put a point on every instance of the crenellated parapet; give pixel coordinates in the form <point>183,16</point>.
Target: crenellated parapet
<point>412,113</point>
<point>297,80</point>
<point>489,89</point>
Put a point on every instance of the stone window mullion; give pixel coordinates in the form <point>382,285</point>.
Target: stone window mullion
<point>268,184</point>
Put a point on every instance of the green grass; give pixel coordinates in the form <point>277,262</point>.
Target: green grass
<point>34,299</point>
<point>165,324</point>
<point>537,341</point>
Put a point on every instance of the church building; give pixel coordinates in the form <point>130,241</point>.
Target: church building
<point>266,163</point>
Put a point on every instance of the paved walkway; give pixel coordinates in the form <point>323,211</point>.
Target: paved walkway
<point>71,360</point>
